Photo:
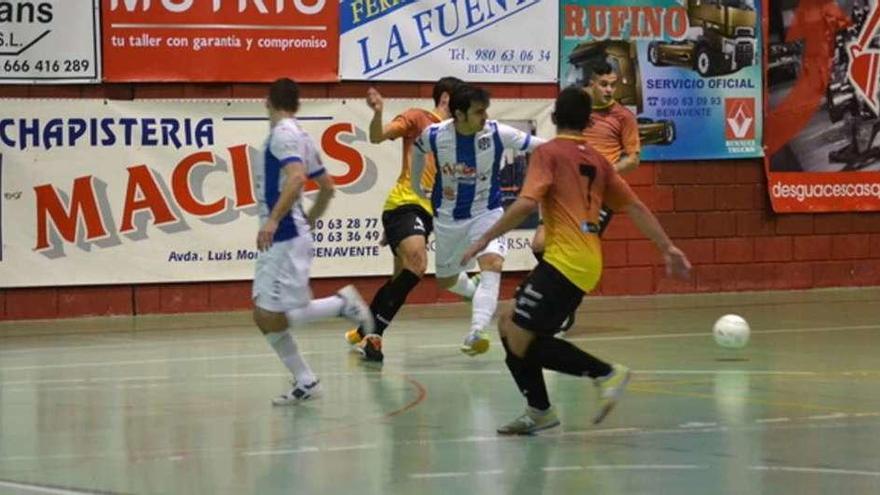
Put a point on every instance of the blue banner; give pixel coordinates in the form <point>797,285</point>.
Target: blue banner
<point>689,71</point>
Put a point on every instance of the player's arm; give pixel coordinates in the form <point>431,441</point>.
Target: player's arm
<point>628,163</point>
<point>326,190</point>
<point>632,147</point>
<point>517,140</point>
<point>620,196</point>
<point>379,132</point>
<point>294,179</point>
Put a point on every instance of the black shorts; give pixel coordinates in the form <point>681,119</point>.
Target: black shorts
<point>545,299</point>
<point>405,221</point>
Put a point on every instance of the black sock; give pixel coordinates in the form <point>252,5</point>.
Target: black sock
<point>390,298</point>
<point>529,379</point>
<point>562,356</point>
<point>539,255</point>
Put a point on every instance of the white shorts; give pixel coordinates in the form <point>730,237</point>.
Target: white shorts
<point>281,281</point>
<point>453,237</point>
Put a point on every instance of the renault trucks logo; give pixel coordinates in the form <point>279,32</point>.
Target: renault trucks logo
<point>740,118</point>
<point>862,70</point>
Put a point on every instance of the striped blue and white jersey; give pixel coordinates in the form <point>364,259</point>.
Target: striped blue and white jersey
<point>288,143</point>
<point>467,182</point>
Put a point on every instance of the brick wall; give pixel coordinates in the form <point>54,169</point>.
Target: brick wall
<point>717,211</point>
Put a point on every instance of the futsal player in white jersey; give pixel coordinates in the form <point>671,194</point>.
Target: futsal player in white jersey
<point>281,293</point>
<point>468,151</point>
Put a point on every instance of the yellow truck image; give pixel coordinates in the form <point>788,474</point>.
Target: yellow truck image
<point>721,39</point>
<point>623,58</point>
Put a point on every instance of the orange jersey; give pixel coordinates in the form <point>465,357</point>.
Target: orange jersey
<point>409,125</point>
<point>571,181</point>
<point>614,132</point>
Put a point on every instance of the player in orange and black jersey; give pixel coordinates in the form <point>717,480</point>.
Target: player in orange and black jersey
<point>570,181</point>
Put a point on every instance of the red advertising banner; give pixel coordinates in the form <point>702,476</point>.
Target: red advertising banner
<point>220,40</point>
<point>823,118</point>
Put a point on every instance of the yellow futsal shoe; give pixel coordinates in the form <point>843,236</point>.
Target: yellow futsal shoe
<point>476,342</point>
<point>610,389</point>
<point>353,338</point>
<point>531,422</point>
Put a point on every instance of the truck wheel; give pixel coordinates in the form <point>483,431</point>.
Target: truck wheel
<point>704,62</point>
<point>669,127</point>
<point>654,54</point>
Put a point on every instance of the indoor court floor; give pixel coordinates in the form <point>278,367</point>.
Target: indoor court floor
<point>181,404</point>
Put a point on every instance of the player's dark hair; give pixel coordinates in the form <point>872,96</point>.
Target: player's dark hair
<point>284,95</point>
<point>445,85</point>
<point>464,95</point>
<point>572,110</point>
<point>600,68</point>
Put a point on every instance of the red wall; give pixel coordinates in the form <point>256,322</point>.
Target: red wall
<point>717,211</point>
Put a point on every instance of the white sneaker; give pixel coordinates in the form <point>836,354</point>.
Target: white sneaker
<point>476,342</point>
<point>299,393</point>
<point>356,310</point>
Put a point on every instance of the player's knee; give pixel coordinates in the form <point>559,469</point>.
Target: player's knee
<point>268,321</point>
<point>491,262</point>
<point>518,340</point>
<point>416,262</point>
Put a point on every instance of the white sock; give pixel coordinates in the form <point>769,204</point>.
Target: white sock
<point>288,351</point>
<point>315,310</point>
<point>464,286</point>
<point>485,300</point>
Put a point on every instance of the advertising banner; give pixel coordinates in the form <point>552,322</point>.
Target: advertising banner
<point>220,41</point>
<point>823,150</point>
<point>49,41</point>
<point>689,70</point>
<point>113,192</point>
<point>475,40</point>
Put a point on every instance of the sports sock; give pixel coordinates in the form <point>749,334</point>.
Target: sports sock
<point>315,310</point>
<point>529,379</point>
<point>564,357</point>
<point>389,299</point>
<point>464,286</point>
<point>485,300</point>
<point>288,351</point>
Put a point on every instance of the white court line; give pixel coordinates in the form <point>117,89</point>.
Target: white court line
<point>562,468</point>
<point>300,450</point>
<point>27,488</point>
<point>647,467</point>
<point>457,474</point>
<point>366,446</point>
<point>698,424</point>
<point>177,343</point>
<point>686,335</point>
<point>773,420</point>
<point>796,469</point>
<point>490,472</point>
<point>837,415</point>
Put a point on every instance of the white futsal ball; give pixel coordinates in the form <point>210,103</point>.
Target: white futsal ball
<point>731,332</point>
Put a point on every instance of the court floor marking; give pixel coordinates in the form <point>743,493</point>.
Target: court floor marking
<point>817,470</point>
<point>685,429</point>
<point>556,469</point>
<point>176,455</point>
<point>22,487</point>
<point>315,335</point>
<point>501,372</point>
<point>430,346</point>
